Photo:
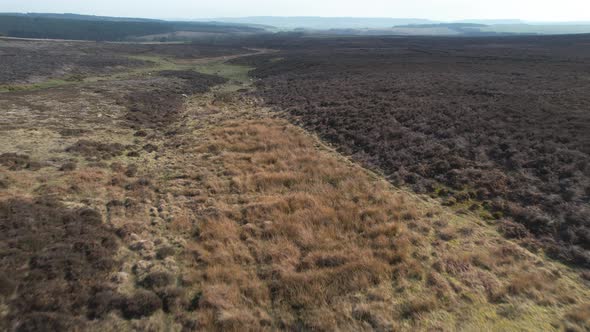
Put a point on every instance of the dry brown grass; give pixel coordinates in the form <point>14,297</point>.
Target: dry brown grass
<point>578,319</point>
<point>290,236</point>
<point>308,236</point>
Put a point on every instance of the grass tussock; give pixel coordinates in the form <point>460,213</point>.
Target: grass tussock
<point>578,319</point>
<point>293,237</point>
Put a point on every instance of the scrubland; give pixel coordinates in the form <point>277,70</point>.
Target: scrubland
<point>178,200</point>
<point>498,126</point>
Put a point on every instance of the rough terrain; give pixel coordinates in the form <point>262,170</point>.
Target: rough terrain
<point>170,197</point>
<point>499,126</point>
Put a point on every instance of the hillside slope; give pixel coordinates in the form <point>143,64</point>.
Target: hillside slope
<point>104,29</point>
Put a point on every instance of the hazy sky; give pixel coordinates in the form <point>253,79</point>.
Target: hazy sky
<point>536,10</point>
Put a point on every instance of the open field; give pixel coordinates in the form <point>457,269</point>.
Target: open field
<point>167,195</point>
<point>498,126</point>
<point>25,64</point>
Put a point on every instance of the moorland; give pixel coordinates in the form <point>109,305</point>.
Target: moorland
<point>295,183</point>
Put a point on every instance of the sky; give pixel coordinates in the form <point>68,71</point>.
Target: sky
<point>444,10</point>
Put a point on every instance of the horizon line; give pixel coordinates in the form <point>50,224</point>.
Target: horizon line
<point>188,19</point>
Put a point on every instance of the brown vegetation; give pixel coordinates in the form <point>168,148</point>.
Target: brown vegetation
<point>290,237</point>
<point>211,213</point>
<point>54,260</point>
<point>161,104</point>
<point>96,151</point>
<point>29,61</point>
<point>15,162</point>
<point>496,121</point>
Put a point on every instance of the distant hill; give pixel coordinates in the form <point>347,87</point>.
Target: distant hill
<point>409,26</point>
<point>540,29</point>
<point>103,28</point>
<point>324,23</point>
<point>454,29</point>
<point>444,29</point>
<point>96,28</point>
<point>447,25</point>
<point>82,17</point>
<point>492,22</point>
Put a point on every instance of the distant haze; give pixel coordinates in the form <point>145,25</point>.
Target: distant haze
<point>442,10</point>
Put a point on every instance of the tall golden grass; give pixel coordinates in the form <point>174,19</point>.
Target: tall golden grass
<point>291,236</point>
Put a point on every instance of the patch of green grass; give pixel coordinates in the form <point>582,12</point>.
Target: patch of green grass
<point>237,75</point>
<point>156,64</point>
<point>36,86</point>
